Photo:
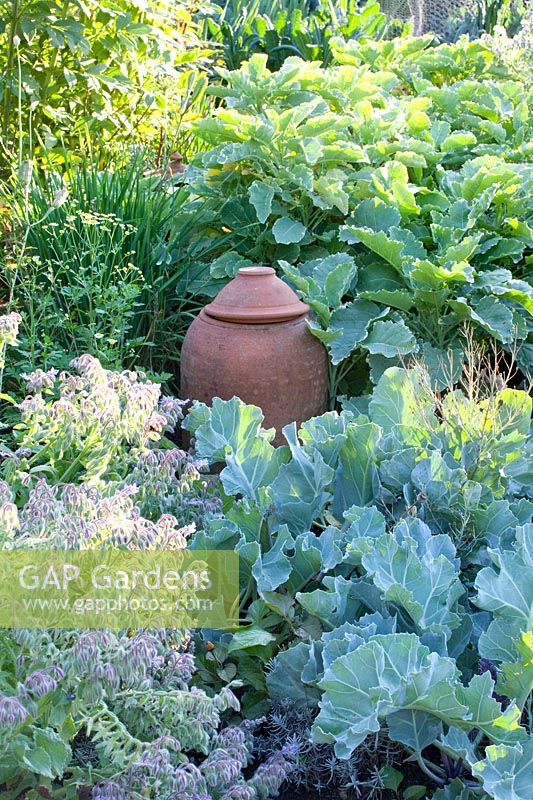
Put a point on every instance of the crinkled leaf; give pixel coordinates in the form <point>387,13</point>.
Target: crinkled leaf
<point>58,751</point>
<point>417,574</point>
<point>326,434</point>
<point>284,680</point>
<point>506,589</point>
<point>395,672</point>
<point>337,603</point>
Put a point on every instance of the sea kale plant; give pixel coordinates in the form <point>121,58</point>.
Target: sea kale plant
<point>392,190</point>
<point>387,550</point>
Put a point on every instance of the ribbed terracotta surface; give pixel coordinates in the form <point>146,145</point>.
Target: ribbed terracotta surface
<point>253,341</point>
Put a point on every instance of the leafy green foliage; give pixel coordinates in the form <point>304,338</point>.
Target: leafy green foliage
<point>506,769</point>
<point>92,267</point>
<point>363,551</point>
<point>76,72</point>
<point>508,594</point>
<point>392,189</point>
<point>283,28</point>
<point>401,449</point>
<point>394,677</point>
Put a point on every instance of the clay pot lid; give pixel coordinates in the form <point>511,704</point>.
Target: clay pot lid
<point>256,295</point>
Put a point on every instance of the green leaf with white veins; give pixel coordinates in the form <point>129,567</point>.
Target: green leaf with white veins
<point>506,589</point>
<point>389,339</point>
<point>284,680</point>
<point>254,636</point>
<point>288,231</point>
<point>337,603</point>
<point>356,474</point>
<point>338,279</point>
<point>496,318</point>
<point>231,431</point>
<point>261,196</point>
<point>307,561</point>
<point>422,580</point>
<point>375,215</point>
<point>323,281</point>
<point>507,772</point>
<point>377,241</point>
<point>255,464</point>
<point>326,434</point>
<point>393,673</point>
<point>366,685</point>
<point>396,298</point>
<point>228,423</point>
<point>415,729</point>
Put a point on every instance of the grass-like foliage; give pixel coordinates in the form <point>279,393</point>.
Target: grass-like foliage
<point>92,262</point>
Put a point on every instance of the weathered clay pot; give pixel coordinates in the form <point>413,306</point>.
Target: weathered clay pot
<point>252,341</point>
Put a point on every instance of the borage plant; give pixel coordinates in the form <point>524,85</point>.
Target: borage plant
<point>115,712</point>
<point>111,714</point>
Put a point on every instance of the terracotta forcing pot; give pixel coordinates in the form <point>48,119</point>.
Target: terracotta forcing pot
<point>252,341</point>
